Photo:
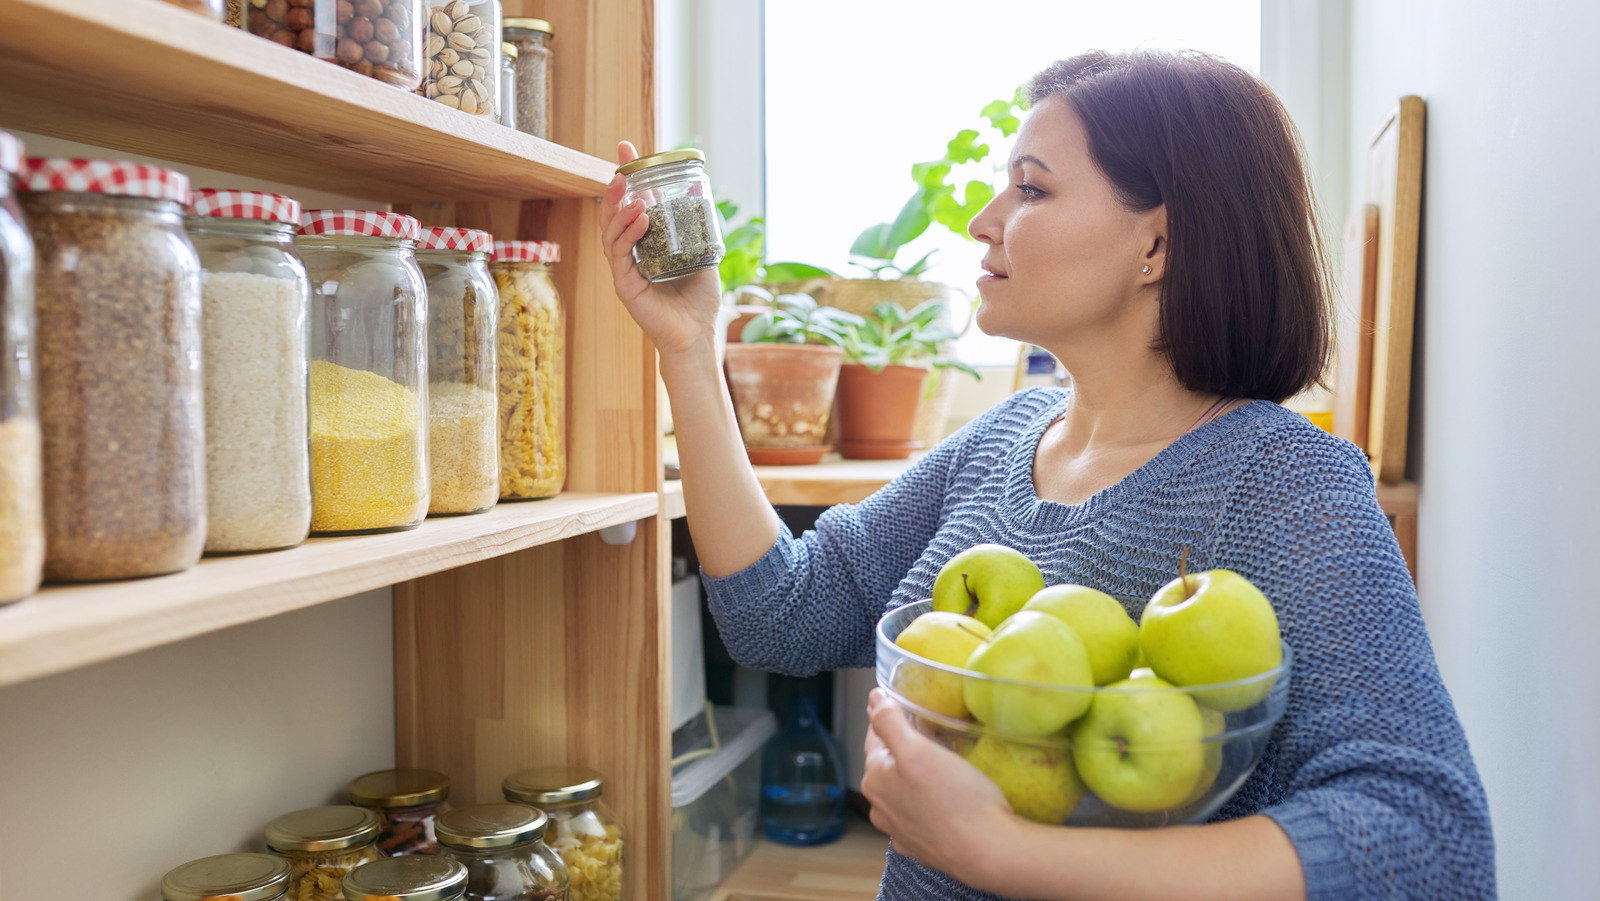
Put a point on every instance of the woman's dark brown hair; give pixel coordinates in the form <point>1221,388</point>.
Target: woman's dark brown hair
<point>1244,297</point>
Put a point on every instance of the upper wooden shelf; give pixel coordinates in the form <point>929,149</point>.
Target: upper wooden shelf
<point>151,78</point>
<point>68,626</point>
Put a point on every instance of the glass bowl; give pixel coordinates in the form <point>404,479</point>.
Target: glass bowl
<point>1136,758</point>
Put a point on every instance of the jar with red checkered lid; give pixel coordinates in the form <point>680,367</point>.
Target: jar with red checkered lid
<point>120,382</point>
<point>21,499</point>
<point>463,441</point>
<point>255,336</point>
<point>533,371</point>
<point>369,371</point>
<point>382,39</point>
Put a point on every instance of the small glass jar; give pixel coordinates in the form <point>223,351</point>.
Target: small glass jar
<point>210,8</point>
<point>254,302</point>
<point>503,849</point>
<point>382,39</point>
<point>21,489</point>
<point>119,370</point>
<point>533,373</point>
<point>234,13</point>
<point>228,877</point>
<point>408,879</point>
<point>322,845</point>
<point>407,802</point>
<point>532,39</point>
<point>369,371</point>
<point>585,834</point>
<point>462,50</point>
<point>508,85</point>
<point>685,235</point>
<point>463,436</point>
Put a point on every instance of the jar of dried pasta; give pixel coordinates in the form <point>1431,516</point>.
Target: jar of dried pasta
<point>382,39</point>
<point>463,435</point>
<point>369,380</point>
<point>21,494</point>
<point>531,38</point>
<point>409,879</point>
<point>119,374</point>
<point>408,803</point>
<point>533,374</point>
<point>503,849</point>
<point>584,832</point>
<point>322,845</point>
<point>254,301</point>
<point>228,877</point>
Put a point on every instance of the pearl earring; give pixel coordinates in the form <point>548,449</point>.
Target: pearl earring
<point>1145,270</point>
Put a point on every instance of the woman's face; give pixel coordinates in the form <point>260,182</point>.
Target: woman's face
<point>1065,256</point>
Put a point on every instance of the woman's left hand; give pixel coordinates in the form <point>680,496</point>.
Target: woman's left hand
<point>935,806</point>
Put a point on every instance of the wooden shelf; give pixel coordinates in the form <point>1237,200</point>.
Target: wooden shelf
<point>68,626</point>
<point>672,499</point>
<point>151,78</point>
<point>849,869</point>
<point>833,481</point>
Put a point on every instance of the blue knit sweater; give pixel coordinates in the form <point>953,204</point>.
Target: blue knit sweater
<point>1368,772</point>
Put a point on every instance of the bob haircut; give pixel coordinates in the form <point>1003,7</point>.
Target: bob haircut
<point>1244,296</point>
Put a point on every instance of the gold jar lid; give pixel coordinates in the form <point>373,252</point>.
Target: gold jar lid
<point>323,829</point>
<point>664,158</point>
<point>552,786</point>
<point>490,826</point>
<point>399,788</point>
<point>530,25</point>
<point>227,877</point>
<point>509,49</point>
<point>407,879</point>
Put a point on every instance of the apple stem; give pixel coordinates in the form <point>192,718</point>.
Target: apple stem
<point>1183,572</point>
<point>972,608</point>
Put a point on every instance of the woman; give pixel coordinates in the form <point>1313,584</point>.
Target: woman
<point>1157,238</point>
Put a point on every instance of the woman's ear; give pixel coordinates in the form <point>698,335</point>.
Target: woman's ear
<point>1153,264</point>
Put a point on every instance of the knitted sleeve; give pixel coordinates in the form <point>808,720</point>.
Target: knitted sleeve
<point>1382,799</point>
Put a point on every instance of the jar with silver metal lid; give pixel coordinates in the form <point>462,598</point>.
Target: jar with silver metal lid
<point>508,84</point>
<point>407,879</point>
<point>685,232</point>
<point>503,849</point>
<point>407,802</point>
<point>322,845</point>
<point>532,39</point>
<point>582,831</point>
<point>228,877</point>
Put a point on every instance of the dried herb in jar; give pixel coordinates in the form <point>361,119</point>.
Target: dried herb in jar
<point>682,239</point>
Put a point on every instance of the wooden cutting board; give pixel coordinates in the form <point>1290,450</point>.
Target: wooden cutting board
<point>1352,388</point>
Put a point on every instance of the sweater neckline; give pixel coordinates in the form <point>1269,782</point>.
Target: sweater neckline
<point>1028,511</point>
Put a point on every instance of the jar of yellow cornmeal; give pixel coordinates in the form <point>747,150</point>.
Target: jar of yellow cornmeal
<point>369,372</point>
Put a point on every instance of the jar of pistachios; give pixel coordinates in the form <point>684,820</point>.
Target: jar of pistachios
<point>582,831</point>
<point>228,877</point>
<point>322,845</point>
<point>684,235</point>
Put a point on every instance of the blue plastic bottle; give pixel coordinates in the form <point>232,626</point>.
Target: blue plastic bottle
<point>802,781</point>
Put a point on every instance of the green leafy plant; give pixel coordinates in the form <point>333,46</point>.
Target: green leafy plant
<point>745,262</point>
<point>797,319</point>
<point>893,336</point>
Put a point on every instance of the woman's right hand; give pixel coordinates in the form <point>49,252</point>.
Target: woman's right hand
<point>676,315</point>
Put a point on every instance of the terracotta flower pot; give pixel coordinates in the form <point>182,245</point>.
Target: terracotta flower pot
<point>782,395</point>
<point>878,411</point>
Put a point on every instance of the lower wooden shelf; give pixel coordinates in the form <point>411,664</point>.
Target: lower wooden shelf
<point>67,626</point>
<point>850,869</point>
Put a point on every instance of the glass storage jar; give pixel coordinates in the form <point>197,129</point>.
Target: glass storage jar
<point>234,14</point>
<point>508,85</point>
<point>322,845</point>
<point>533,374</point>
<point>21,491</point>
<point>407,879</point>
<point>503,849</point>
<point>120,389</point>
<point>211,8</point>
<point>369,371</point>
<point>463,437</point>
<point>684,236</point>
<point>228,877</point>
<point>532,39</point>
<point>253,318</point>
<point>407,803</point>
<point>582,831</point>
<point>463,55</point>
<point>379,38</point>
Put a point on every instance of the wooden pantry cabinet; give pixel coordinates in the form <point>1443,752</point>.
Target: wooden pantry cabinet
<point>520,636</point>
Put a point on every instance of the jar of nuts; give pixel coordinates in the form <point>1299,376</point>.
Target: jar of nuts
<point>228,877</point>
<point>463,56</point>
<point>322,845</point>
<point>21,497</point>
<point>379,38</point>
<point>533,371</point>
<point>532,39</point>
<point>408,803</point>
<point>584,832</point>
<point>503,849</point>
<point>119,374</point>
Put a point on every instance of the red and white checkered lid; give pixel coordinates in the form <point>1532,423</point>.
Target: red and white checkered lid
<point>527,251</point>
<point>463,239</point>
<point>360,223</point>
<point>103,177</point>
<point>225,203</point>
<point>10,153</point>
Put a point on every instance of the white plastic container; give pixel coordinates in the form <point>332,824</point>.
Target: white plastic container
<point>715,818</point>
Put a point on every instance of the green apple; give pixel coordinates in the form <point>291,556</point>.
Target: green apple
<point>1212,627</point>
<point>1210,754</point>
<point>1138,747</point>
<point>1108,632</point>
<point>1040,784</point>
<point>947,638</point>
<point>987,581</point>
<point>1037,648</point>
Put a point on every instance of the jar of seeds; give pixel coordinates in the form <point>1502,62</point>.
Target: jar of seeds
<point>21,494</point>
<point>684,236</point>
<point>532,39</point>
<point>463,56</point>
<point>508,85</point>
<point>409,879</point>
<point>228,877</point>
<point>382,39</point>
<point>322,845</point>
<point>120,390</point>
<point>533,371</point>
<point>463,440</point>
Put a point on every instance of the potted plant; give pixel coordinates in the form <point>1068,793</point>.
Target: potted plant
<point>888,356</point>
<point>782,376</point>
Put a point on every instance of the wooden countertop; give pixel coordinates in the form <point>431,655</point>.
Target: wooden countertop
<point>847,870</point>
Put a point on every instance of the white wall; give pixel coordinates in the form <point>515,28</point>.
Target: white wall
<point>1508,461</point>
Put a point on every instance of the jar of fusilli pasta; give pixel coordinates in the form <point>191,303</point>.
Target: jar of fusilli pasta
<point>532,371</point>
<point>322,845</point>
<point>228,877</point>
<point>582,831</point>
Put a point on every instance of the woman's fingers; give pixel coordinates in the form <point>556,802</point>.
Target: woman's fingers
<point>625,152</point>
